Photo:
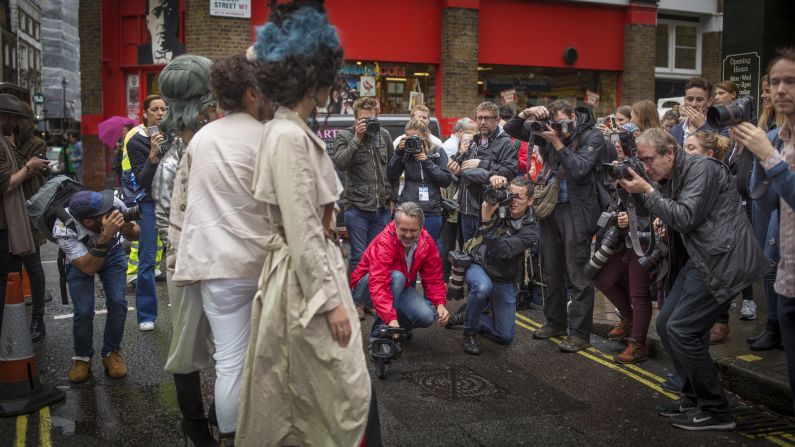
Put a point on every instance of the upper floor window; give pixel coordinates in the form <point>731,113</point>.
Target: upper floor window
<point>678,47</point>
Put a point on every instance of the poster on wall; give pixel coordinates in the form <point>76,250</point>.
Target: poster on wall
<point>591,98</point>
<point>508,96</point>
<point>162,23</point>
<point>240,9</point>
<point>342,98</point>
<point>416,98</point>
<point>367,86</point>
<point>133,97</point>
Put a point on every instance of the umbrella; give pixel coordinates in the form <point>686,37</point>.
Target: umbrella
<point>110,130</point>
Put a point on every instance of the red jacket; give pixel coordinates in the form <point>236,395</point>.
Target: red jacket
<point>385,254</point>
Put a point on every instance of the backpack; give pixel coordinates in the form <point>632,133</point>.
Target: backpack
<point>49,203</point>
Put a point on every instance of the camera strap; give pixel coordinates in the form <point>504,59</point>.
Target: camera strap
<point>634,236</point>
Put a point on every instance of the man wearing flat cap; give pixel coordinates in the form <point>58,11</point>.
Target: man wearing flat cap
<point>91,243</point>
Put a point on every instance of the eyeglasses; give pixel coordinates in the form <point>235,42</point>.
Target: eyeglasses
<point>485,118</point>
<point>648,160</point>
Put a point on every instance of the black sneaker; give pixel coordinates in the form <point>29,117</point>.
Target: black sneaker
<point>698,420</point>
<point>471,344</point>
<point>456,319</point>
<point>673,384</point>
<point>675,408</point>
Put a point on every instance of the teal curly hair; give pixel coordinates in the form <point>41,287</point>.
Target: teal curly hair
<point>185,85</point>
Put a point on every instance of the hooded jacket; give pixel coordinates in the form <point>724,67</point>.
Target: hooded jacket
<point>504,246</point>
<point>385,254</point>
<point>431,173</point>
<point>581,157</point>
<point>497,157</point>
<point>366,185</point>
<point>701,203</point>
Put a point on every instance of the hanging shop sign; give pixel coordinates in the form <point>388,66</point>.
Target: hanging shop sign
<point>133,97</point>
<point>508,96</point>
<point>240,9</point>
<point>591,98</point>
<point>367,86</point>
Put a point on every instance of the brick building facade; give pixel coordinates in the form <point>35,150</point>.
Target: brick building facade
<point>598,53</point>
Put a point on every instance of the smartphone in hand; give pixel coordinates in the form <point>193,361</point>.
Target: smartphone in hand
<point>153,130</point>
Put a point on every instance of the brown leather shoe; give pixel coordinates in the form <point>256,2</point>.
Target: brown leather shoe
<point>80,371</point>
<point>114,365</point>
<point>718,333</point>
<point>621,330</point>
<point>634,353</point>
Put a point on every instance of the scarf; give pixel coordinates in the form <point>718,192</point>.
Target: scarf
<point>20,237</point>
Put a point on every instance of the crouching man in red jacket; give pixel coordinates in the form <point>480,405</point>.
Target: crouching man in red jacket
<point>387,274</point>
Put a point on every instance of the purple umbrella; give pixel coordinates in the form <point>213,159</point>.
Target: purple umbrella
<point>110,130</point>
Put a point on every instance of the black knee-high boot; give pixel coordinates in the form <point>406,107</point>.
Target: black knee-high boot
<point>372,432</point>
<point>189,399</point>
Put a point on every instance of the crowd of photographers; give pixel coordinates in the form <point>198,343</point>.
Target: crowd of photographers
<point>641,207</point>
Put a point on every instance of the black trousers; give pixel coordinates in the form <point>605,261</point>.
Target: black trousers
<point>564,253</point>
<point>683,324</point>
<point>786,319</point>
<point>8,263</point>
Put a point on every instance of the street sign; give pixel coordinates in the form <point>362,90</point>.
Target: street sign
<point>38,98</point>
<point>231,8</point>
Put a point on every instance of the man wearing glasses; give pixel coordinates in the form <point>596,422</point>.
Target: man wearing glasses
<point>699,203</point>
<point>490,161</point>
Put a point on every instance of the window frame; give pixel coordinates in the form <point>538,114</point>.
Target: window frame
<point>670,70</point>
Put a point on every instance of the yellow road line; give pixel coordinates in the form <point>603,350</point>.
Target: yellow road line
<point>610,365</point>
<point>45,426</point>
<point>22,430</point>
<point>778,441</point>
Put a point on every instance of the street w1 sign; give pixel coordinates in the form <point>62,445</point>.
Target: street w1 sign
<point>38,98</point>
<point>240,9</point>
<point>743,69</point>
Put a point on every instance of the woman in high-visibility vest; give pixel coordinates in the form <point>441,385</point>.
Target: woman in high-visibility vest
<point>141,156</point>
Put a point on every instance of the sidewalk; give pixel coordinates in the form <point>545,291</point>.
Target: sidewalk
<point>760,376</point>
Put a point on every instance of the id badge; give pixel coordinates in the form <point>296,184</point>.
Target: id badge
<point>424,195</point>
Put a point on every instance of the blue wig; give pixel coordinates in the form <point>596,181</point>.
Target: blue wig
<point>301,33</point>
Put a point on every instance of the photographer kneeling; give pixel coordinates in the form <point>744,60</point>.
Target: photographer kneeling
<point>425,168</point>
<point>386,276</point>
<point>496,264</point>
<point>699,202</point>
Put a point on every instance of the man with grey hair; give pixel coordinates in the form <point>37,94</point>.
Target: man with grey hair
<point>463,125</point>
<point>699,204</point>
<point>387,274</point>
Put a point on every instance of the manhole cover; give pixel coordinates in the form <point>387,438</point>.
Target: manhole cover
<point>454,383</point>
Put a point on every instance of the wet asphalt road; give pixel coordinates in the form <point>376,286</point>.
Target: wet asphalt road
<point>527,393</point>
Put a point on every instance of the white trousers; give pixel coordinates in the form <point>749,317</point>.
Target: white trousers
<point>227,304</point>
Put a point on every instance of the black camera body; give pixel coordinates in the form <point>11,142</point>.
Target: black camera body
<point>621,170</point>
<point>413,145</point>
<point>385,347</point>
<point>373,126</point>
<point>500,197</point>
<point>560,127</point>
<point>659,254</point>
<point>131,214</point>
<point>739,111</point>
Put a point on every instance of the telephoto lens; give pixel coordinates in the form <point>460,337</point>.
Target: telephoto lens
<point>459,262</point>
<point>660,252</point>
<point>741,110</point>
<point>132,213</point>
<point>610,243</point>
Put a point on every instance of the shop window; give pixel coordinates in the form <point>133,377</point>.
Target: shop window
<point>36,30</point>
<point>678,48</point>
<point>531,86</point>
<point>396,85</point>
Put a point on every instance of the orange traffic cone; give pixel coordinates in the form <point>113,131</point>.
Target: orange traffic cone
<point>26,286</point>
<point>21,392</point>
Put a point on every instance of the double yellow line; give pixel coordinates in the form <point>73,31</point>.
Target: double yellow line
<point>641,375</point>
<point>45,428</point>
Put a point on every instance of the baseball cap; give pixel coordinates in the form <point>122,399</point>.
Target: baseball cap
<point>85,204</point>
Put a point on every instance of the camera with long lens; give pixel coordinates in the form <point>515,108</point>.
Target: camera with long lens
<point>611,242</point>
<point>738,111</point>
<point>653,260</point>
<point>131,214</point>
<point>459,263</point>
<point>373,126</point>
<point>620,171</point>
<point>501,197</point>
<point>414,145</point>
<point>385,348</point>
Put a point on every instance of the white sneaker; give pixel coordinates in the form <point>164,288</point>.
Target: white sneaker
<point>748,311</point>
<point>147,326</point>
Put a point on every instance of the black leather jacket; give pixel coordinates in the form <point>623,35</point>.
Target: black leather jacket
<point>366,184</point>
<point>497,157</point>
<point>503,246</point>
<point>702,205</point>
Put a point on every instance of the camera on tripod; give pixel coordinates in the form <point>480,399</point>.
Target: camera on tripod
<point>413,145</point>
<point>385,347</point>
<point>739,111</point>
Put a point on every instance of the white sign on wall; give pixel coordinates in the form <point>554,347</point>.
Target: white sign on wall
<point>231,8</point>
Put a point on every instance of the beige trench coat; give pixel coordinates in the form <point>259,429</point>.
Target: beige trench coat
<point>299,386</point>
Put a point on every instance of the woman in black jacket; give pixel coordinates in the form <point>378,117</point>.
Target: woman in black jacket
<point>142,150</point>
<point>425,174</point>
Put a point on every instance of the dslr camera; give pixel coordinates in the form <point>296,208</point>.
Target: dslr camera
<point>500,197</point>
<point>740,110</point>
<point>414,145</point>
<point>533,127</point>
<point>373,126</point>
<point>131,214</point>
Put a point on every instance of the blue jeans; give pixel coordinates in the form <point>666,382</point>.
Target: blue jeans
<point>413,310</point>
<point>433,224</point>
<point>145,293</point>
<point>113,275</point>
<point>468,226</point>
<point>499,296</point>
<point>362,227</point>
